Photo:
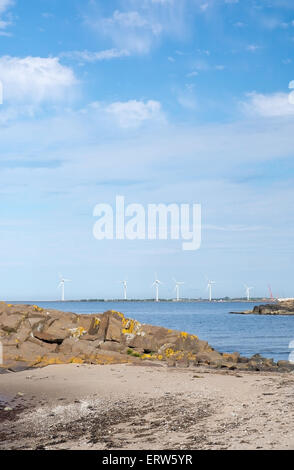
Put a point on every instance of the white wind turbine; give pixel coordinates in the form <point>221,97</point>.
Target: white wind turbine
<point>61,285</point>
<point>177,288</point>
<point>156,284</point>
<point>248,289</point>
<point>209,287</point>
<point>125,287</point>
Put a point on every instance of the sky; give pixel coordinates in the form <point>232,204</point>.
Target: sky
<point>161,101</point>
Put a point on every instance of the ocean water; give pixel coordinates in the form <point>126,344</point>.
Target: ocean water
<point>248,334</point>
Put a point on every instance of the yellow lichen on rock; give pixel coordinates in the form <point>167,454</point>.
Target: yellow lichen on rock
<point>97,322</point>
<point>129,326</point>
<point>37,361</point>
<point>169,352</point>
<point>185,335</point>
<point>78,332</point>
<point>49,361</point>
<point>191,356</point>
<point>76,360</point>
<point>114,312</point>
<point>148,356</point>
<point>38,309</point>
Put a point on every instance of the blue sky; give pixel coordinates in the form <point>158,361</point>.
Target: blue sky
<point>158,100</point>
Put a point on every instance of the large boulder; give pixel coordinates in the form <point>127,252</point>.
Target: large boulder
<point>285,366</point>
<point>10,322</point>
<point>114,327</point>
<point>29,350</point>
<point>59,329</point>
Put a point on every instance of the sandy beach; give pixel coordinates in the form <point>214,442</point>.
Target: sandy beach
<point>149,406</point>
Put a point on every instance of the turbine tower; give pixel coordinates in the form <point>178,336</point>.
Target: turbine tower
<point>209,287</point>
<point>156,284</point>
<point>177,288</point>
<point>61,285</point>
<point>125,287</point>
<point>248,289</point>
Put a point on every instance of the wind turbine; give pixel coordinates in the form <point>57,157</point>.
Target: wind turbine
<point>125,287</point>
<point>156,284</point>
<point>61,285</point>
<point>209,287</point>
<point>248,289</point>
<point>177,288</point>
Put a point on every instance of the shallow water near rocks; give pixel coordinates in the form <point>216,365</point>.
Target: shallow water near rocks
<point>248,334</point>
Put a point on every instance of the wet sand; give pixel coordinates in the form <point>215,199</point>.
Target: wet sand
<point>149,407</point>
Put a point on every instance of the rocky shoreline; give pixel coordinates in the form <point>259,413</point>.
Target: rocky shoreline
<point>32,337</point>
<point>275,308</point>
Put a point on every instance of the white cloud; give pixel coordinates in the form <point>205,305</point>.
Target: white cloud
<point>133,113</point>
<point>239,24</point>
<point>204,66</point>
<point>272,22</point>
<point>128,19</point>
<point>192,74</point>
<point>47,15</point>
<point>35,79</point>
<point>4,33</point>
<point>204,6</point>
<point>88,56</point>
<point>272,105</point>
<point>137,26</point>
<point>130,30</point>
<point>252,47</point>
<point>124,114</point>
<point>133,20</point>
<point>4,6</point>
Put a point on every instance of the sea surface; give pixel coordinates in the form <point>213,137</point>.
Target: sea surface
<point>248,334</point>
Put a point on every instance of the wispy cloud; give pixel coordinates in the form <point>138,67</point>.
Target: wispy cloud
<point>271,105</point>
<point>134,113</point>
<point>5,5</point>
<point>187,97</point>
<point>138,26</point>
<point>88,56</point>
<point>253,47</point>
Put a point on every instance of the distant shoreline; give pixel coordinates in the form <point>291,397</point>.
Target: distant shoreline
<point>151,300</point>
